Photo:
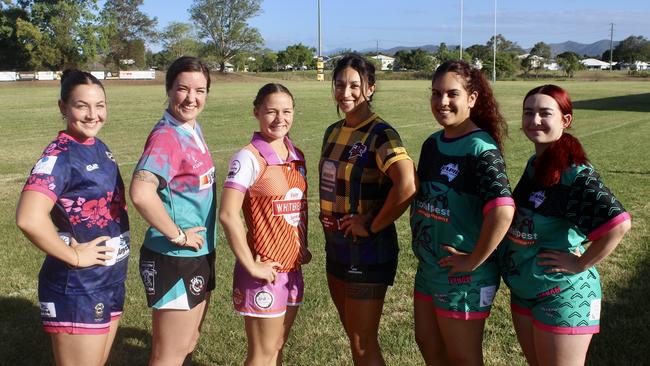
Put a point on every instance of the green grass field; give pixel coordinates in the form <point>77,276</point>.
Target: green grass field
<point>611,119</point>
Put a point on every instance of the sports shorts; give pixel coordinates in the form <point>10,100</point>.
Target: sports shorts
<point>89,313</point>
<point>383,273</point>
<point>574,310</point>
<point>459,297</point>
<point>259,299</point>
<point>178,283</point>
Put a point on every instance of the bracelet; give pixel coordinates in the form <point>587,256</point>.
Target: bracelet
<point>369,225</point>
<point>181,239</point>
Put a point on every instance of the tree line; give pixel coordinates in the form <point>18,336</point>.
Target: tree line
<point>53,35</point>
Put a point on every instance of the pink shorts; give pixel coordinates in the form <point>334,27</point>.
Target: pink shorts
<point>256,298</point>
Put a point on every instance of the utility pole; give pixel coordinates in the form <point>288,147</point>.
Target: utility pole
<point>320,66</point>
<point>461,31</point>
<point>611,45</point>
<point>494,46</point>
<point>377,50</point>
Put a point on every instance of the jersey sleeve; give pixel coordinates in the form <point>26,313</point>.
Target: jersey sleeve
<point>493,186</point>
<point>160,154</point>
<point>50,175</point>
<point>591,205</point>
<point>389,149</point>
<point>243,171</point>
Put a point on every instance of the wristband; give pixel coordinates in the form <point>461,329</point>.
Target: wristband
<point>181,239</point>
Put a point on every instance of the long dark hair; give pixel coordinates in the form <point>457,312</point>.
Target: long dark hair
<point>485,113</point>
<point>70,78</point>
<point>186,64</point>
<point>361,65</point>
<point>560,154</point>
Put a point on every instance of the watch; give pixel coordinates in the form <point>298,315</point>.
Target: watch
<point>181,239</point>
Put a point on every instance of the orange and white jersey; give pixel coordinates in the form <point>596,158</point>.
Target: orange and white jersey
<point>275,200</point>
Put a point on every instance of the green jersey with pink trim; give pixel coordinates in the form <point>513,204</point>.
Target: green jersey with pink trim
<point>579,208</point>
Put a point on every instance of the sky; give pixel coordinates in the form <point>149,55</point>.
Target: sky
<point>366,24</point>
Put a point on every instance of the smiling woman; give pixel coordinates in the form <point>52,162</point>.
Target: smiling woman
<point>173,189</point>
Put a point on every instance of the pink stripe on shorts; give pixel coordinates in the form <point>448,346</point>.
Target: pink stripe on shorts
<point>256,298</point>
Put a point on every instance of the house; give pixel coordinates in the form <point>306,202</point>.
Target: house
<point>641,66</point>
<point>386,61</point>
<point>593,64</point>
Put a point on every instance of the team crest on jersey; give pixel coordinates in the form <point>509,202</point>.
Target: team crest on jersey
<point>45,165</point>
<point>357,150</point>
<point>537,198</point>
<point>234,168</point>
<point>264,299</point>
<point>196,285</point>
<point>48,310</point>
<point>291,207</point>
<point>237,296</point>
<point>450,170</point>
<point>148,274</point>
<point>99,311</point>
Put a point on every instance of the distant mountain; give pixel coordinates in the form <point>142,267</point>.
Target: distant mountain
<point>592,49</point>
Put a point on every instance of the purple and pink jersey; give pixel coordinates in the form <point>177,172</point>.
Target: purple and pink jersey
<point>178,155</point>
<point>83,180</point>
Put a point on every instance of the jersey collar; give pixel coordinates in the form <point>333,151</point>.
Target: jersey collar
<point>271,157</point>
<point>88,141</point>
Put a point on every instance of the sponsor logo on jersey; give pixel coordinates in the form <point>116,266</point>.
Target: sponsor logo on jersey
<point>234,168</point>
<point>430,210</point>
<point>357,150</point>
<point>237,296</point>
<point>291,207</point>
<point>110,156</point>
<point>206,180</point>
<point>457,280</point>
<point>487,295</point>
<point>450,170</point>
<point>197,283</point>
<point>328,172</point>
<point>121,246</point>
<point>263,299</point>
<point>553,291</point>
<point>148,274</point>
<point>522,231</point>
<point>44,165</point>
<point>91,167</point>
<point>537,198</point>
<point>99,311</point>
<point>48,310</point>
<point>594,309</point>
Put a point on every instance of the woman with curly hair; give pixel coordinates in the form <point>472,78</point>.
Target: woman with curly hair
<point>462,211</point>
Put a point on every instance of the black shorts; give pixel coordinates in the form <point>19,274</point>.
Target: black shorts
<point>383,273</point>
<point>178,283</point>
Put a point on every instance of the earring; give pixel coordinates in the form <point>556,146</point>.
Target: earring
<point>63,116</point>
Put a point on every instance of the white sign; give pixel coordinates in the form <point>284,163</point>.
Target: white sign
<point>140,74</point>
<point>45,75</point>
<point>7,76</point>
<point>98,74</point>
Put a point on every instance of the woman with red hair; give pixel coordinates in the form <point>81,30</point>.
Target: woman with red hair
<point>561,204</point>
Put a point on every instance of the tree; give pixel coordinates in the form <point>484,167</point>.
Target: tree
<point>179,40</point>
<point>506,65</point>
<point>57,34</point>
<point>126,28</point>
<point>503,45</point>
<point>569,62</point>
<point>479,52</point>
<point>223,22</point>
<point>543,53</point>
<point>417,59</point>
<point>297,55</point>
<point>632,49</point>
<point>443,53</point>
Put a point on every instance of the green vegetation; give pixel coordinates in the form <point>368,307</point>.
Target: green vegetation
<point>612,120</point>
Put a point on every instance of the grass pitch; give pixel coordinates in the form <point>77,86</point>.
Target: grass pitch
<point>611,119</point>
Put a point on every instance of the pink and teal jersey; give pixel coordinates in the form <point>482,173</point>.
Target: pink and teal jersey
<point>84,182</point>
<point>179,156</point>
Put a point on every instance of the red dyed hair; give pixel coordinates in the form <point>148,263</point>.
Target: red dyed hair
<point>485,113</point>
<point>560,154</point>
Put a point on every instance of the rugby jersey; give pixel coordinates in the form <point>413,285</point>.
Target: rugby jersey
<point>562,217</point>
<point>275,200</point>
<point>461,179</point>
<point>353,180</point>
<point>178,154</point>
<point>84,181</point>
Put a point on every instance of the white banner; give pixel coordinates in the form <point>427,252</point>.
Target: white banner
<point>141,74</point>
<point>7,76</point>
<point>98,74</point>
<point>45,75</point>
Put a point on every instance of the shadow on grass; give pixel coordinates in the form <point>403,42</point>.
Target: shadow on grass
<point>626,103</point>
<point>23,339</point>
<point>624,332</point>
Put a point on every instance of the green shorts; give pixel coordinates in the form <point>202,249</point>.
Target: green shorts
<point>459,297</point>
<point>574,310</point>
